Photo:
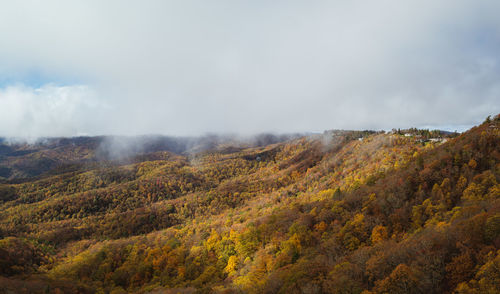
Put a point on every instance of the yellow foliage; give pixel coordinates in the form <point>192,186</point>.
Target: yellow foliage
<point>472,164</point>
<point>232,263</point>
<point>379,233</point>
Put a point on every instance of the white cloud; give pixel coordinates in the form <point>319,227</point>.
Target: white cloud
<point>49,111</point>
<point>188,67</point>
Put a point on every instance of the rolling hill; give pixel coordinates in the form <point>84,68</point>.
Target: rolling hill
<point>407,211</point>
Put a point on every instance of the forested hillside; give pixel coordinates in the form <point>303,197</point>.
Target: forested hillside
<point>410,211</point>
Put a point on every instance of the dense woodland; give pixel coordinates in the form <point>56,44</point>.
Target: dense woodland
<point>338,212</point>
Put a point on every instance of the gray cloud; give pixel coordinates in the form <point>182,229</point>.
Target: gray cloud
<point>190,67</point>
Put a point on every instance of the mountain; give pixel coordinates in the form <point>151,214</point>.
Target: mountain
<point>338,212</point>
<point>21,160</point>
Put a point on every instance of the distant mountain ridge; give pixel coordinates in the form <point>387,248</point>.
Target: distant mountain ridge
<point>24,160</point>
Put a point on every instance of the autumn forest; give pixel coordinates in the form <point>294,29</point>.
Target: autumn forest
<point>406,211</point>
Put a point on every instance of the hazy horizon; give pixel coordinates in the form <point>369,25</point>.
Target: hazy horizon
<point>228,135</point>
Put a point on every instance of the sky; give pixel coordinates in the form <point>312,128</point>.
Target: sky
<point>72,68</point>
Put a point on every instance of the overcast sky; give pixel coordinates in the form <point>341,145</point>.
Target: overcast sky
<point>190,67</point>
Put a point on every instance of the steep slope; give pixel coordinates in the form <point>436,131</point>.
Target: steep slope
<point>340,212</point>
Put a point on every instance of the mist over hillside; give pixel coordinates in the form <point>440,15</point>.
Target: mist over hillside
<point>20,158</point>
<point>23,159</point>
